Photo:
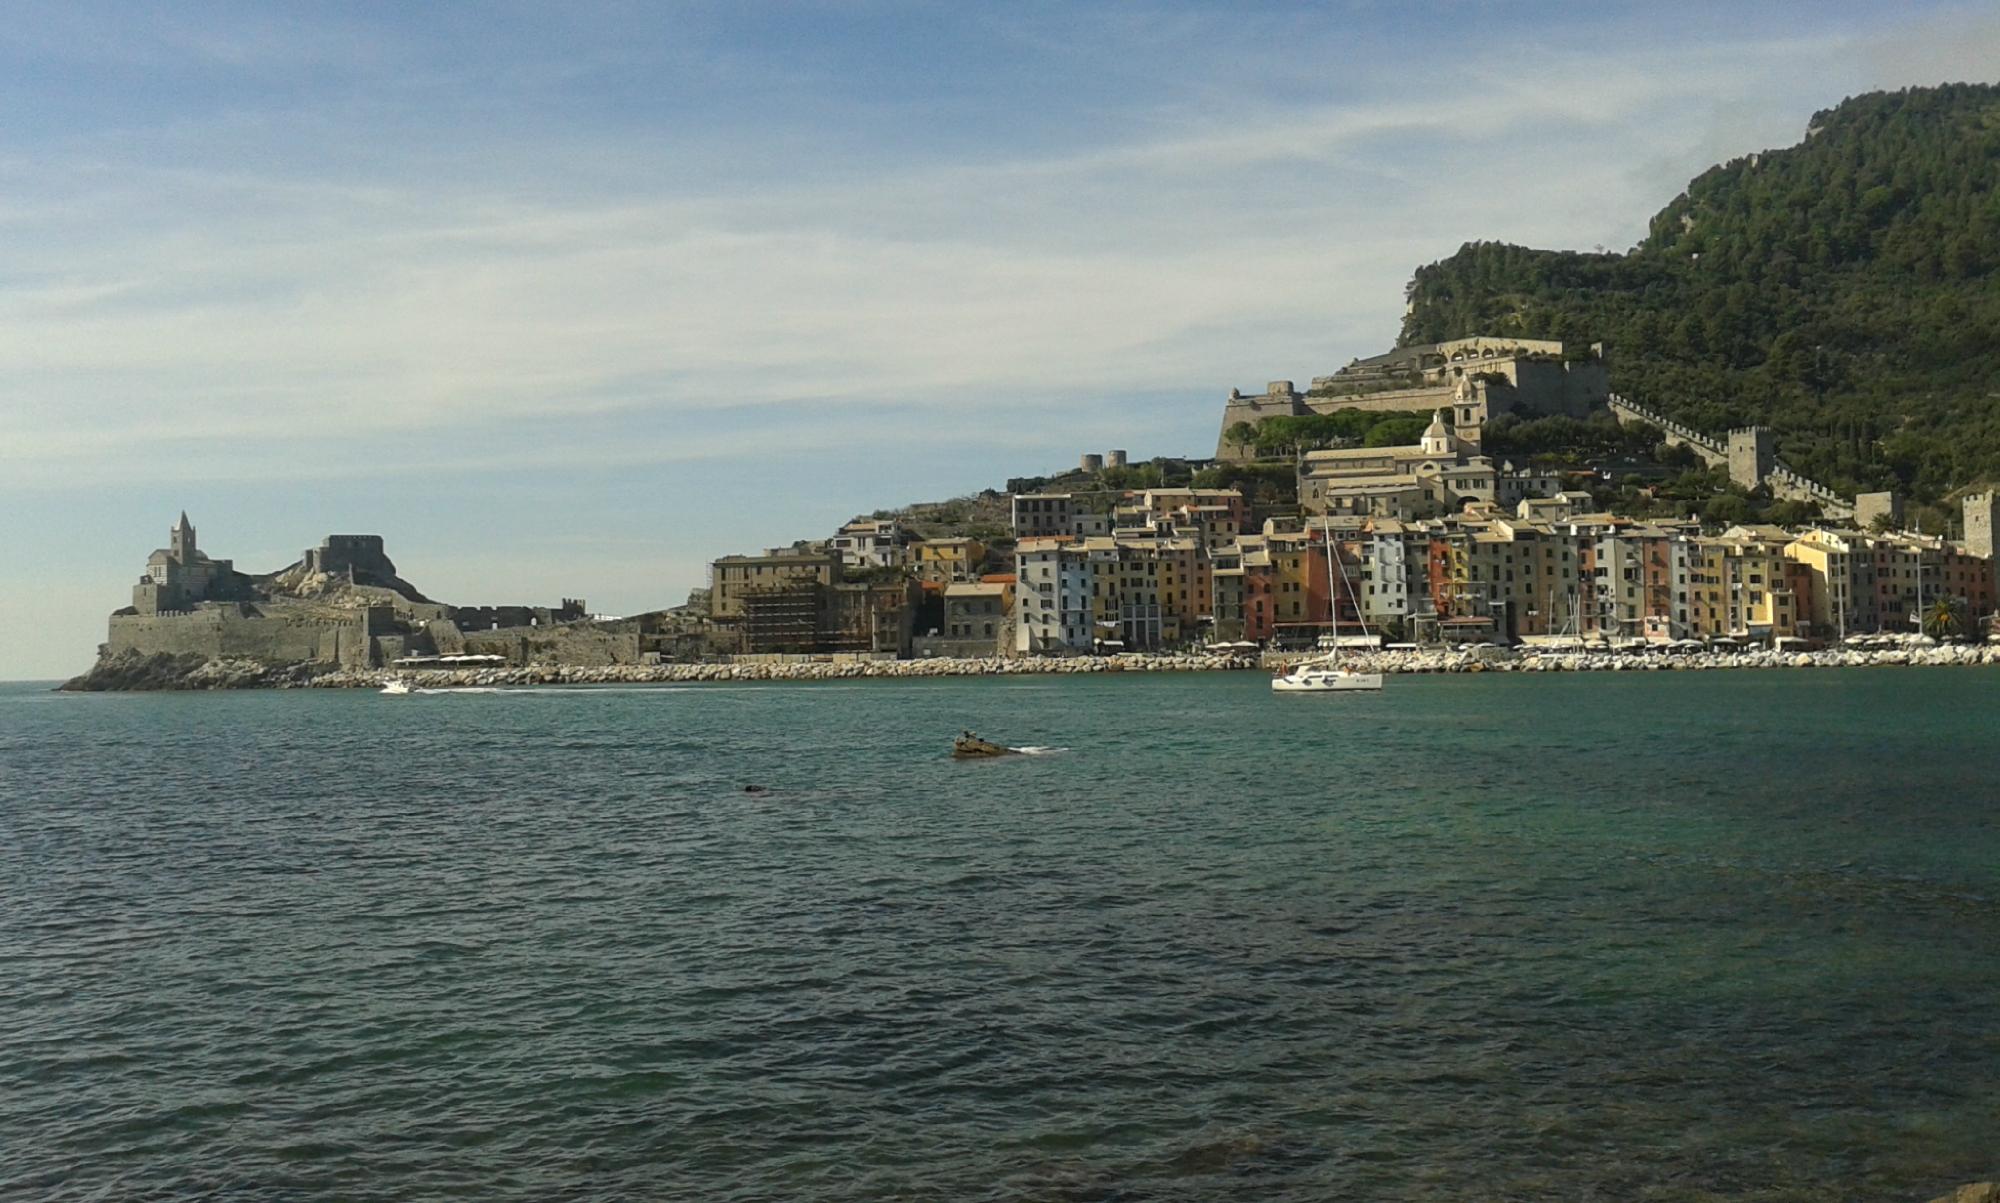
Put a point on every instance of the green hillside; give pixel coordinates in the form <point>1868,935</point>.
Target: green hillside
<point>1843,291</point>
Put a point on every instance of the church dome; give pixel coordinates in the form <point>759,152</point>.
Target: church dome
<point>1437,436</point>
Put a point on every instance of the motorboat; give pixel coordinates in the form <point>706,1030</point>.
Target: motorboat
<point>970,747</point>
<point>397,685</point>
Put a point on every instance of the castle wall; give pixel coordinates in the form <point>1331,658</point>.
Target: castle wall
<point>582,644</point>
<point>1870,506</point>
<point>1546,387</point>
<point>225,631</point>
<point>446,638</point>
<point>1526,377</point>
<point>1273,404</point>
<point>1713,453</point>
<point>1411,399</point>
<point>1750,454</point>
<point>364,554</point>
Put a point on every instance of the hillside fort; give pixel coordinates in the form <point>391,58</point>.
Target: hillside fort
<point>1470,379</point>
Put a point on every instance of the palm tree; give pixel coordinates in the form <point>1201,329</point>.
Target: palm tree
<point>1945,618</point>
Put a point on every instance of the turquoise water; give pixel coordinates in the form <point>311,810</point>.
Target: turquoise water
<point>1680,936</point>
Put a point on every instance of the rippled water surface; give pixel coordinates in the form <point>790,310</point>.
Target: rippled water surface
<point>1638,937</point>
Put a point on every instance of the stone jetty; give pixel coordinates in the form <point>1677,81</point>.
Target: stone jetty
<point>1440,661</point>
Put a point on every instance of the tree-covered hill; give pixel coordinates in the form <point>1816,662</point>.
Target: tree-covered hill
<point>1843,291</point>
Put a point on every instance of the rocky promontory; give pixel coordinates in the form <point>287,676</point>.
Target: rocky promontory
<point>137,671</point>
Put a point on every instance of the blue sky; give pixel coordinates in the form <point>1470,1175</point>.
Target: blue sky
<point>565,300</point>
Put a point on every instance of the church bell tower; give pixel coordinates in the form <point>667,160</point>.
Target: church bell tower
<point>180,540</point>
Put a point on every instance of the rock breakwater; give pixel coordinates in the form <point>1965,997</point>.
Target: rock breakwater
<point>168,672</point>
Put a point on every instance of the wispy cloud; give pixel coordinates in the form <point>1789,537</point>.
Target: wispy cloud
<point>217,302</point>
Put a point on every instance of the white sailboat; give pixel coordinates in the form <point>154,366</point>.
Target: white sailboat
<point>1323,674</point>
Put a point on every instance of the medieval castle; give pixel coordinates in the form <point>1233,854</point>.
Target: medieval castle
<point>1469,379</point>
<point>1466,382</point>
<point>340,603</point>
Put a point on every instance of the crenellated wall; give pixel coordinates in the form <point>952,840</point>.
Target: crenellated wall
<point>1750,454</point>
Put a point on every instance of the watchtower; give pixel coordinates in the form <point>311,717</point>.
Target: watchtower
<point>1982,518</point>
<point>1753,452</point>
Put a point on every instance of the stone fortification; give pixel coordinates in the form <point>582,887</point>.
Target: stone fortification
<point>342,604</point>
<point>593,644</point>
<point>1750,453</point>
<point>1472,379</point>
<point>247,631</point>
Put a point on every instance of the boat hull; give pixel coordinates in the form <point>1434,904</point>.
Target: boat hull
<point>1322,681</point>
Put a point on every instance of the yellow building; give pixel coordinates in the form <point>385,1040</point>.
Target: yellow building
<point>1745,592</point>
<point>1843,577</point>
<point>944,561</point>
<point>1296,579</point>
<point>733,578</point>
<point>1125,592</point>
<point>1186,584</point>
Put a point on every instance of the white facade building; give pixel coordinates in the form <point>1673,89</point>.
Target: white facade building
<point>1052,598</point>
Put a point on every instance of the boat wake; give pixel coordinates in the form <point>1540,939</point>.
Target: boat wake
<point>523,690</point>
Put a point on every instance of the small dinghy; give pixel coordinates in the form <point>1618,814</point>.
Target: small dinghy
<point>970,747</point>
<point>398,686</point>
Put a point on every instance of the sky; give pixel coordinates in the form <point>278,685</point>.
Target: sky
<point>567,300</point>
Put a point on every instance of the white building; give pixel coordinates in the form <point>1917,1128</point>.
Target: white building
<point>1052,597</point>
<point>873,543</point>
<point>1385,574</point>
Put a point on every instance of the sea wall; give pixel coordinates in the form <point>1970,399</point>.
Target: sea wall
<point>163,671</point>
<point>1383,662</point>
<point>225,632</point>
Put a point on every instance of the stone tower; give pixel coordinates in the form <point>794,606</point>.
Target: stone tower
<point>1982,516</point>
<point>1869,506</point>
<point>1753,452</point>
<point>180,540</point>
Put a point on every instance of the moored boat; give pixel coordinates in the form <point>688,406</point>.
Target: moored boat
<point>1318,677</point>
<point>970,747</point>
<point>1324,674</point>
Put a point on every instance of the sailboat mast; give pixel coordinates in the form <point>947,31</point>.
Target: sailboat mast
<point>1332,595</point>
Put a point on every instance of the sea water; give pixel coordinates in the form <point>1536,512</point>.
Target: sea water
<point>1646,936</point>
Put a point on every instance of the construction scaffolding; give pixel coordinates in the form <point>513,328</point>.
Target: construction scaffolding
<point>782,618</point>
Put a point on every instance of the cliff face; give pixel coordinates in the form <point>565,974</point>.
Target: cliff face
<point>1845,291</point>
